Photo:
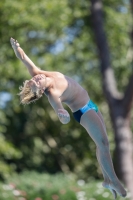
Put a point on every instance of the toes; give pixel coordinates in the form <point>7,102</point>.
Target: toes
<point>124,194</point>
<point>114,193</point>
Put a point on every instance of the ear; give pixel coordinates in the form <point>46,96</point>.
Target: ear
<point>29,83</point>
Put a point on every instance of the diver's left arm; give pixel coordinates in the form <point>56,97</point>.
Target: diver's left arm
<point>21,55</point>
<point>56,103</point>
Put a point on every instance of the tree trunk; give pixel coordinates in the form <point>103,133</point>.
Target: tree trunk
<point>119,105</point>
<point>123,155</point>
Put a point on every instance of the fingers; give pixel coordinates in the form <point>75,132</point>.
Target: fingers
<point>62,110</point>
<point>14,42</point>
<point>63,115</point>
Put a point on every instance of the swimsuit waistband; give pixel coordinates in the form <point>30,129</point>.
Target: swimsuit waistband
<point>90,105</point>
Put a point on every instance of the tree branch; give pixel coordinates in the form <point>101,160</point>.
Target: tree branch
<point>109,83</point>
<point>128,95</point>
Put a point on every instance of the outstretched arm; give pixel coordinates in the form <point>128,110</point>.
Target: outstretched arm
<point>55,102</point>
<point>32,68</point>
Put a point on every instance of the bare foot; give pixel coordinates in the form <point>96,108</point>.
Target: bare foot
<point>115,187</point>
<point>112,191</point>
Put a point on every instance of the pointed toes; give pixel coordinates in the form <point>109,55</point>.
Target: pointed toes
<point>114,193</point>
<point>124,194</point>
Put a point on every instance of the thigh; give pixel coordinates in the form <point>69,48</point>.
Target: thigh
<point>95,127</point>
<point>101,117</point>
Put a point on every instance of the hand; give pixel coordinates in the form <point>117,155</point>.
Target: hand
<point>14,43</point>
<point>17,49</point>
<point>63,116</point>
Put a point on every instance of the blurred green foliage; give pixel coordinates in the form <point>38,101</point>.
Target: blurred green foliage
<point>58,36</point>
<point>35,186</point>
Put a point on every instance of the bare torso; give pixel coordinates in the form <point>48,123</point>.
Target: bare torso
<point>69,91</point>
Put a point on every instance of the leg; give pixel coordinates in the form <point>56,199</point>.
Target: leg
<point>106,178</point>
<point>94,125</point>
<point>107,181</point>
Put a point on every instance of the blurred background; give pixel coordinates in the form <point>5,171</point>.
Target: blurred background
<point>92,42</point>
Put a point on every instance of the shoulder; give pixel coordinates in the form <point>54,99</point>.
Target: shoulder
<point>50,73</point>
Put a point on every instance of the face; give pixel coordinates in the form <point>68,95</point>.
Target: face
<point>38,82</point>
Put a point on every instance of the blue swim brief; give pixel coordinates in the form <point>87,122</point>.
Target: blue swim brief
<point>89,106</point>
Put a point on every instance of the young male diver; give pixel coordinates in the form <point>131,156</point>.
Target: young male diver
<point>62,89</point>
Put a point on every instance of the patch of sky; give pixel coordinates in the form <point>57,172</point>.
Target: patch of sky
<point>126,1</point>
<point>35,50</point>
<point>32,34</point>
<point>70,34</point>
<point>4,98</point>
<point>36,34</point>
<point>59,45</point>
<point>122,9</point>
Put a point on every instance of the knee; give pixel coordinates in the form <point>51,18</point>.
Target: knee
<point>103,144</point>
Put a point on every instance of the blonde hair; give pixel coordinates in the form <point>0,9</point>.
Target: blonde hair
<point>27,95</point>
